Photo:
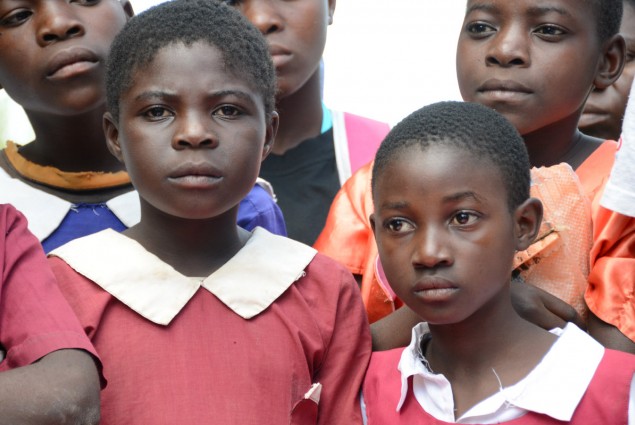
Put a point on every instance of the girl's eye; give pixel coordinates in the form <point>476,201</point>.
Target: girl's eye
<point>16,18</point>
<point>479,28</point>
<point>398,225</point>
<point>227,111</point>
<point>157,112</point>
<point>87,2</point>
<point>550,30</point>
<point>464,218</point>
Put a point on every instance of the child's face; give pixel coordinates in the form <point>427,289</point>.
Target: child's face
<point>603,112</point>
<point>534,61</point>
<point>296,34</point>
<point>53,52</point>
<point>445,234</point>
<point>191,133</point>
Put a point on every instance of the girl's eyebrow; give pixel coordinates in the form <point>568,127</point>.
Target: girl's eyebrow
<point>532,11</point>
<point>461,196</point>
<point>163,94</point>
<point>543,10</point>
<point>398,205</point>
<point>484,7</point>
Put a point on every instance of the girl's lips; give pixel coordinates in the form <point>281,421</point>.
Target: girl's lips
<point>196,170</point>
<point>434,289</point>
<point>70,62</point>
<point>496,85</point>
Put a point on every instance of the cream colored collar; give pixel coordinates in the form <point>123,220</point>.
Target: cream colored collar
<point>248,283</point>
<point>44,221</point>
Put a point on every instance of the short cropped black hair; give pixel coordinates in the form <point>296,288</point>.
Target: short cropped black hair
<point>608,15</point>
<point>242,46</point>
<point>478,130</point>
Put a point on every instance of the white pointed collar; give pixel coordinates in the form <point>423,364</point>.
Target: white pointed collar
<point>43,221</point>
<point>248,283</point>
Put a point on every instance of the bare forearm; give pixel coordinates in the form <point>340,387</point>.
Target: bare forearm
<point>61,388</point>
<point>608,335</point>
<point>394,330</point>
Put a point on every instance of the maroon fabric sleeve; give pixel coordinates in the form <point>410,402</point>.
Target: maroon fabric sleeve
<point>35,319</point>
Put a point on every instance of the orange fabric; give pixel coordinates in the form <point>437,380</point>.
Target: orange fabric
<point>559,254</point>
<point>609,294</point>
<point>558,260</point>
<point>348,238</point>
<point>51,176</point>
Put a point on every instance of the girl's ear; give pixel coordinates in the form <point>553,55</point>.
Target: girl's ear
<point>127,7</point>
<point>331,5</point>
<point>528,217</point>
<point>111,131</point>
<point>270,135</point>
<point>612,62</point>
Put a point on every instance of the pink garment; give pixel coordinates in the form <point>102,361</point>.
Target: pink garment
<point>209,365</point>
<point>605,401</point>
<point>35,320</point>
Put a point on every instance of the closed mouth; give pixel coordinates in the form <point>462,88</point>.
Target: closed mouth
<point>70,57</point>
<point>503,86</point>
<point>196,171</point>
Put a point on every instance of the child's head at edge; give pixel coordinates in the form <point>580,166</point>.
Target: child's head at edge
<point>552,53</point>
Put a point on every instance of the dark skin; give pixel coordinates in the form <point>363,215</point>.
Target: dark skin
<point>604,109</point>
<point>298,28</point>
<point>429,238</point>
<point>193,149</point>
<point>61,388</point>
<point>541,109</point>
<point>64,105</point>
<point>550,132</point>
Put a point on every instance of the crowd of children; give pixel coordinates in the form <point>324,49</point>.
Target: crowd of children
<point>161,143</point>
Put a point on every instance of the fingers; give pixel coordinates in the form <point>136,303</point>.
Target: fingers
<point>541,308</point>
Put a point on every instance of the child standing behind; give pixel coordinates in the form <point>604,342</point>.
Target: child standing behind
<point>451,191</point>
<point>316,149</point>
<point>52,62</point>
<point>195,319</point>
<point>510,58</point>
<point>604,109</point>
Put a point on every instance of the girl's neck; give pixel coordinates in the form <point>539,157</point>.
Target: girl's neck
<point>300,115</point>
<point>194,248</point>
<point>494,348</point>
<point>70,143</point>
<point>558,143</point>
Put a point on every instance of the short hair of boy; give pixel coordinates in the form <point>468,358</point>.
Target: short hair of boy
<point>608,15</point>
<point>474,128</point>
<point>243,48</point>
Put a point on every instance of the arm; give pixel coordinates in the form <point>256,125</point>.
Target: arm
<point>347,354</point>
<point>259,208</point>
<point>60,388</point>
<point>43,379</point>
<point>608,335</point>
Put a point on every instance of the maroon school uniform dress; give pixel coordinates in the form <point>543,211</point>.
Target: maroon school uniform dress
<point>277,335</point>
<point>577,382</point>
